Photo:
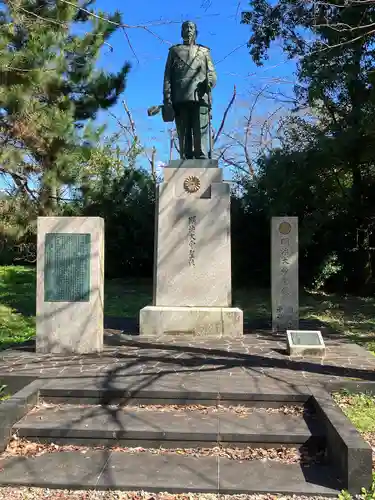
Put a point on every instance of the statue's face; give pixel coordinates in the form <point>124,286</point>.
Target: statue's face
<point>189,32</point>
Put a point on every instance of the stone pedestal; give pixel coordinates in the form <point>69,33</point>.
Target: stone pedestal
<point>70,285</point>
<point>192,269</point>
<point>200,321</point>
<point>284,273</point>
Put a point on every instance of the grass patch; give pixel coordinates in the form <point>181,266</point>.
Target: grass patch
<point>126,298</point>
<point>3,393</point>
<point>17,305</point>
<point>15,328</point>
<point>18,288</point>
<point>352,316</point>
<point>359,408</point>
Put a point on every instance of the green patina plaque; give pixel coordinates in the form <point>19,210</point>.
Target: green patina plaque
<point>67,267</point>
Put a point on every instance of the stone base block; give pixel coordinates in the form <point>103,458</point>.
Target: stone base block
<point>305,343</point>
<point>199,321</point>
<point>315,350</point>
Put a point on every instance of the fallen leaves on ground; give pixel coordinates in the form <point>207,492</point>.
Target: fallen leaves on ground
<point>26,448</point>
<point>39,493</point>
<point>175,408</point>
<point>370,438</point>
<point>238,409</point>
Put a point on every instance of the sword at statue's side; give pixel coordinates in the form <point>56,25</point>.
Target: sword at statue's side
<point>210,122</point>
<point>209,99</point>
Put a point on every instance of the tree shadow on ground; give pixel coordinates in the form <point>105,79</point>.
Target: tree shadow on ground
<point>215,356</point>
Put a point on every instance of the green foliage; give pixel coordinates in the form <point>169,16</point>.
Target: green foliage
<point>127,203</point>
<point>324,170</point>
<point>3,393</point>
<point>49,87</point>
<point>51,90</point>
<point>330,268</point>
<point>17,305</point>
<point>359,408</point>
<point>250,236</point>
<point>18,289</point>
<point>364,495</point>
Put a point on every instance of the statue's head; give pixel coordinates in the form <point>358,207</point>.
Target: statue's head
<point>189,32</point>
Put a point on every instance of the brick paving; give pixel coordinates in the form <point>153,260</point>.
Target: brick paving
<point>259,353</point>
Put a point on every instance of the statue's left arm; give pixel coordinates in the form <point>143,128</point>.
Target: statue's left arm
<point>167,86</point>
<point>211,73</point>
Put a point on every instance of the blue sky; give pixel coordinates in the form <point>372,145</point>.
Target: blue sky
<point>219,28</point>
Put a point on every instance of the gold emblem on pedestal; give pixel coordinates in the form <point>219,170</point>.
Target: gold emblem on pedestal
<point>192,184</point>
<point>285,228</point>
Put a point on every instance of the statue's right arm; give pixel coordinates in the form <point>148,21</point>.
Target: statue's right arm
<point>167,89</point>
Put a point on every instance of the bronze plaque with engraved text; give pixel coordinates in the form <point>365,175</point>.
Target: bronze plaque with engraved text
<point>67,267</point>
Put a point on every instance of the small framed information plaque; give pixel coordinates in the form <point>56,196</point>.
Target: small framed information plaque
<point>305,342</point>
<point>67,267</point>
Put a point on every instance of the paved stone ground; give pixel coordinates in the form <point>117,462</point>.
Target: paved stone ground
<point>259,353</point>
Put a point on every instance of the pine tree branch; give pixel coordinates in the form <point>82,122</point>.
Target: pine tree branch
<point>20,181</point>
<point>33,14</point>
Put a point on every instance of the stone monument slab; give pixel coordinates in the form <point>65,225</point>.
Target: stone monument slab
<point>70,285</point>
<point>192,268</point>
<point>193,252</point>
<point>305,342</point>
<point>284,273</point>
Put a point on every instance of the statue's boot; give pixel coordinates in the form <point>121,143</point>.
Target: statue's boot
<point>200,156</point>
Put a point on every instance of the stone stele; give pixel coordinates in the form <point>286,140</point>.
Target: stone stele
<point>192,268</point>
<point>70,285</point>
<point>284,273</point>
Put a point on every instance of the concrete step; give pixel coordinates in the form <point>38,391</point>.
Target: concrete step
<point>207,388</point>
<point>102,470</point>
<point>152,428</point>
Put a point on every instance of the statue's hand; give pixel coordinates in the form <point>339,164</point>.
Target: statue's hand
<point>168,111</point>
<point>203,88</point>
<point>167,101</point>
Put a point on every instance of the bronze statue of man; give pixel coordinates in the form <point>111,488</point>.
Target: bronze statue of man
<point>188,79</point>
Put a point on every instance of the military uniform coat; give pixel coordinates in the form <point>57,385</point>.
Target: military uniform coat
<point>187,66</point>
